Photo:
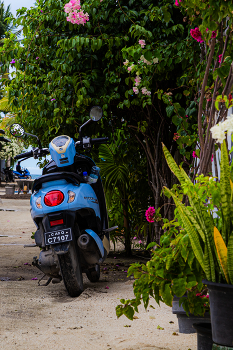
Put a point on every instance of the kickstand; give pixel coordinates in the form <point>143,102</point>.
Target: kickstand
<point>45,284</point>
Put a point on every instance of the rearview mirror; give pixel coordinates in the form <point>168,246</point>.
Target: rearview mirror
<point>17,130</point>
<point>96,113</point>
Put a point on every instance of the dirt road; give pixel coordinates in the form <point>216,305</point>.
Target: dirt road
<point>34,317</point>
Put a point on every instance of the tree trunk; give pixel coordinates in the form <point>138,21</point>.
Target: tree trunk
<point>126,229</point>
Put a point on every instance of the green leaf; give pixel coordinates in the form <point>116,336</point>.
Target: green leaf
<point>169,110</point>
<point>148,55</point>
<point>167,16</point>
<point>225,190</point>
<point>166,294</point>
<point>230,258</point>
<point>179,286</point>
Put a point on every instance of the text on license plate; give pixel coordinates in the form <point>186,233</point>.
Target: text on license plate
<point>60,236</point>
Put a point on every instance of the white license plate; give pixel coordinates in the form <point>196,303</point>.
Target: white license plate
<point>59,236</point>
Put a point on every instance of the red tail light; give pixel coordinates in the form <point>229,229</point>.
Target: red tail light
<point>53,198</point>
<point>56,222</point>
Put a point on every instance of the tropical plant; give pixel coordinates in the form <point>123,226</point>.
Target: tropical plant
<point>120,173</point>
<point>172,270</point>
<point>5,24</point>
<point>208,217</point>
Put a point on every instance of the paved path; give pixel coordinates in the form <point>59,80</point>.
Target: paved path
<point>35,318</point>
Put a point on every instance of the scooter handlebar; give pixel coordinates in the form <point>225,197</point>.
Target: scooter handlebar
<point>100,140</point>
<point>23,155</point>
<point>39,153</point>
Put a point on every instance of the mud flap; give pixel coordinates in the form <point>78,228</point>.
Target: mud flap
<point>62,248</point>
<point>97,240</point>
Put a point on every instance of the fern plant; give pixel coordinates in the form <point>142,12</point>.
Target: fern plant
<point>208,218</point>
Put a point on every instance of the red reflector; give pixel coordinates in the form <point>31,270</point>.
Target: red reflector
<point>53,198</point>
<point>56,222</point>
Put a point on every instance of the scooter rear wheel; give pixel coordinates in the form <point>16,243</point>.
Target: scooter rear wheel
<point>71,271</point>
<point>93,274</point>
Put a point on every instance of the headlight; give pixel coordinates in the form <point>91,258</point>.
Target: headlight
<point>71,195</point>
<point>38,203</point>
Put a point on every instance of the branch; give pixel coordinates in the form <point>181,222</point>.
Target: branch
<point>203,92</point>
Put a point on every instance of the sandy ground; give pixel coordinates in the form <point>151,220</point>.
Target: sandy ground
<point>33,317</point>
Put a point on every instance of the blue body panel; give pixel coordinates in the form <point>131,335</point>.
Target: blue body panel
<point>66,157</point>
<point>97,239</point>
<point>85,198</point>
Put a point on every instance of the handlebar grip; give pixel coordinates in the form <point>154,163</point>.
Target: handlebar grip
<point>23,155</point>
<point>100,140</point>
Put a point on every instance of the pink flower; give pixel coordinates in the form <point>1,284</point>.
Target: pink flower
<point>41,11</point>
<point>142,43</point>
<point>13,61</point>
<point>145,91</point>
<point>53,99</point>
<point>212,158</point>
<point>34,278</point>
<point>220,58</point>
<point>135,90</point>
<point>130,68</point>
<point>37,58</point>
<point>214,34</point>
<point>135,237</point>
<point>187,116</point>
<point>76,15</point>
<point>137,80</point>
<point>194,155</point>
<point>150,214</point>
<point>140,242</point>
<point>126,62</point>
<point>106,287</point>
<point>196,34</point>
<point>177,2</point>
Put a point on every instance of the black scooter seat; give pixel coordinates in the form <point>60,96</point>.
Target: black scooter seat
<point>68,176</point>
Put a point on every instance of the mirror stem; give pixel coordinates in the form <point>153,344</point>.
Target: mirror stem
<point>38,140</point>
<point>80,129</point>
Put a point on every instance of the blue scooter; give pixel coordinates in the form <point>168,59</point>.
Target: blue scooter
<point>23,173</point>
<point>68,207</point>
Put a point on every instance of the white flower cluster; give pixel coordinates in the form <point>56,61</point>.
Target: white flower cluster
<point>11,149</point>
<point>218,130</point>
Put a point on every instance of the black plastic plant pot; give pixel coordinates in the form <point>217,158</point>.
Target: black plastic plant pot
<point>204,336</point>
<point>185,322</point>
<point>221,312</point>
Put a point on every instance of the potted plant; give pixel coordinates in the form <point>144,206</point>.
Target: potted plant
<point>172,272</point>
<point>208,219</point>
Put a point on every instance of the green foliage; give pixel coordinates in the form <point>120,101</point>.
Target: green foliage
<point>172,270</point>
<point>210,207</point>
<point>125,198</point>
<point>63,69</point>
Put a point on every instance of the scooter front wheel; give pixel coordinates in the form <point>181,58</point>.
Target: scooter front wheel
<point>71,271</point>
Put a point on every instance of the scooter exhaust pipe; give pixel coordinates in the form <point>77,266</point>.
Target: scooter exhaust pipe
<point>83,241</point>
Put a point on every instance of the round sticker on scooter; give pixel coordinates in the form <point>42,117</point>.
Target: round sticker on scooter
<point>96,113</point>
